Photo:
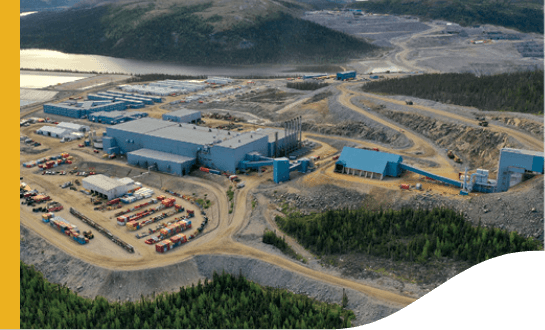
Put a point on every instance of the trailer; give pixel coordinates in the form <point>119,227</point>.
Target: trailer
<point>170,230</point>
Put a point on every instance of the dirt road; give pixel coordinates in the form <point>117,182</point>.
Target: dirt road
<point>217,241</point>
<point>525,139</point>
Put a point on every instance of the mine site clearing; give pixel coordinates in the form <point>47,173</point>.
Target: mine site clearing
<point>309,127</point>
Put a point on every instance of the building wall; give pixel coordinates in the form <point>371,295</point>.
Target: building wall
<point>227,159</point>
<point>517,162</point>
<point>177,168</point>
<point>183,119</point>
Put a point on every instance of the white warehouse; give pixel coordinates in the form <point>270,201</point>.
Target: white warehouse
<point>107,187</point>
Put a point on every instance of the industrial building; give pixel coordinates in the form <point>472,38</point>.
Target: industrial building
<point>107,187</point>
<point>115,117</point>
<point>346,75</point>
<point>53,131</point>
<point>63,130</point>
<point>80,109</point>
<point>368,163</point>
<point>183,116</point>
<point>181,145</point>
<point>219,80</point>
<point>514,164</point>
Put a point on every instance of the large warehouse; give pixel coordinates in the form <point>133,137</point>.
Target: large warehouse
<point>107,187</point>
<point>182,145</point>
<point>368,163</point>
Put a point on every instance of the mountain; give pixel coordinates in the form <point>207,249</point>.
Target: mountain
<point>192,32</point>
<point>523,15</point>
<point>39,5</point>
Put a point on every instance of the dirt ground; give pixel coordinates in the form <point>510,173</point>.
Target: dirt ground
<point>334,116</point>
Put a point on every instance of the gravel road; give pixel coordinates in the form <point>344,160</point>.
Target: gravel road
<point>89,280</point>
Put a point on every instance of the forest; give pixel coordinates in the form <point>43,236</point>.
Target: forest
<point>408,235</point>
<point>225,302</point>
<point>307,85</point>
<point>518,92</point>
<point>182,36</point>
<point>525,16</point>
<point>270,237</point>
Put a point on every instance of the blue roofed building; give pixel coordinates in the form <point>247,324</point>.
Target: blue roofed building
<point>368,163</point>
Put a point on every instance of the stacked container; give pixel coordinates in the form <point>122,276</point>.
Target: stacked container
<point>171,243</point>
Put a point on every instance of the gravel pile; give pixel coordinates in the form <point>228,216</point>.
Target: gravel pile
<point>318,199</point>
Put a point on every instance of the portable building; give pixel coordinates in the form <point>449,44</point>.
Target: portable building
<point>53,131</point>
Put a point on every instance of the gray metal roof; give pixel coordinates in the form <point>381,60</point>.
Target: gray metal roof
<point>182,112</point>
<point>103,182</point>
<point>144,125</point>
<point>53,129</point>
<point>165,156</point>
<point>244,139</point>
<point>72,126</point>
<point>524,152</point>
<point>270,133</point>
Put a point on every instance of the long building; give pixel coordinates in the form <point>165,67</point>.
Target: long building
<point>175,147</point>
<point>76,109</point>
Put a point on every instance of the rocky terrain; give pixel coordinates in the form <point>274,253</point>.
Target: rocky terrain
<point>90,281</point>
<point>477,147</point>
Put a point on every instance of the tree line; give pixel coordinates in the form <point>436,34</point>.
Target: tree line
<point>225,302</point>
<point>307,85</point>
<point>270,237</point>
<point>408,234</point>
<point>518,92</point>
<point>521,15</point>
<point>182,36</point>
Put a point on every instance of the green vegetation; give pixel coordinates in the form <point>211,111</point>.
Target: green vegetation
<point>520,92</point>
<point>269,237</point>
<point>410,235</point>
<point>230,193</point>
<point>525,16</point>
<point>204,202</point>
<point>182,36</point>
<point>225,302</point>
<point>307,85</point>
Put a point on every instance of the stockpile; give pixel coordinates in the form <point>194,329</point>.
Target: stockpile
<point>170,243</point>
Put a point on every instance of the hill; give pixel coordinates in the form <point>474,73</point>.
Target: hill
<point>523,15</point>
<point>518,92</point>
<point>191,32</point>
<point>225,302</point>
<point>39,5</point>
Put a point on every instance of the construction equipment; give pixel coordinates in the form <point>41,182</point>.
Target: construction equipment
<point>450,154</point>
<point>88,234</point>
<point>409,102</point>
<point>483,123</point>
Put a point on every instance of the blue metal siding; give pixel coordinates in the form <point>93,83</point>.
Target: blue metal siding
<point>510,159</point>
<point>346,75</point>
<point>281,170</point>
<point>370,161</point>
<point>167,166</point>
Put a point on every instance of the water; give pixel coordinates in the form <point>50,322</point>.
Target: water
<point>45,79</point>
<point>54,60</point>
